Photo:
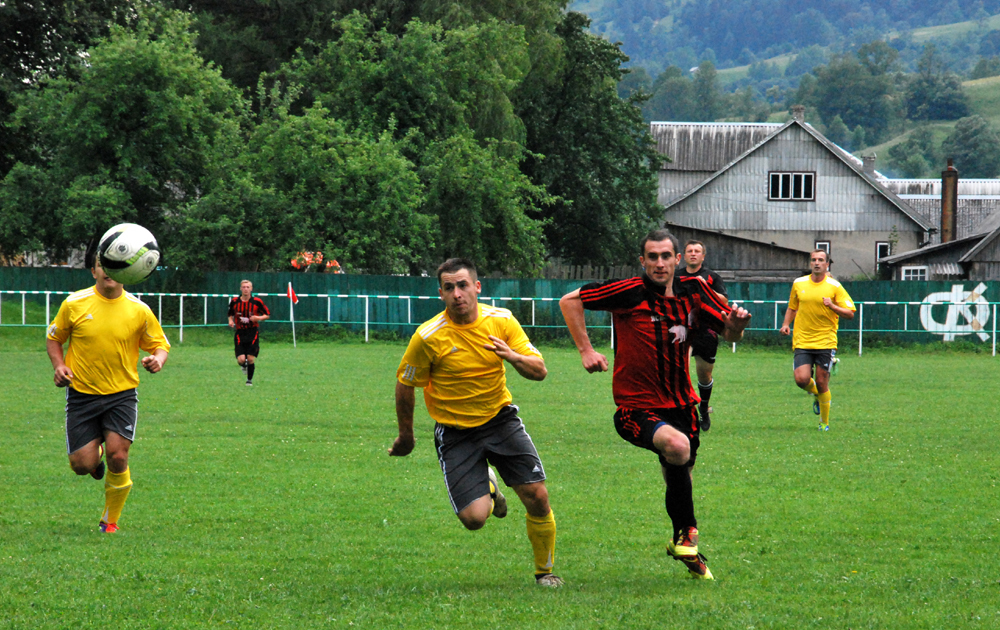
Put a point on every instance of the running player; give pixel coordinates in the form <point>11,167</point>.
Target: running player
<point>816,304</point>
<point>105,327</point>
<point>458,359</point>
<point>246,312</point>
<point>704,341</point>
<point>651,385</point>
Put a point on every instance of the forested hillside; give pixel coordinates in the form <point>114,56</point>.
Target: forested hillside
<point>886,78</point>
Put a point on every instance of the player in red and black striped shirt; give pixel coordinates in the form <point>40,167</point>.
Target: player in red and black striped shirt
<point>652,315</point>
<point>246,312</point>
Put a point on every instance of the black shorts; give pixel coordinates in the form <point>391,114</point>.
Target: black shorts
<point>247,341</point>
<point>820,358</point>
<point>89,416</point>
<point>464,453</point>
<point>704,344</point>
<point>637,426</point>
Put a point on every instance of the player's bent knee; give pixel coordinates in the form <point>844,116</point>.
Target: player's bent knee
<point>118,462</point>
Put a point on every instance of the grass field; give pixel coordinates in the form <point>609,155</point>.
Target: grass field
<point>277,507</point>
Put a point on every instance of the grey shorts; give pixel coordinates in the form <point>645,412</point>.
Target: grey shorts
<point>464,453</point>
<point>89,416</point>
<point>820,358</point>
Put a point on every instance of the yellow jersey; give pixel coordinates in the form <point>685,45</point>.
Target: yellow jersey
<point>104,339</point>
<point>815,324</point>
<point>465,384</point>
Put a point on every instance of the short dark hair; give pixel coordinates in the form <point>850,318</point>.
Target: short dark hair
<point>454,265</point>
<point>90,256</point>
<point>661,234</point>
<point>704,250</point>
<point>829,260</point>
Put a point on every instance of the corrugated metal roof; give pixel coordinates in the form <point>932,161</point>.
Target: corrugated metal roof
<point>707,146</point>
<point>932,187</point>
<point>945,269</point>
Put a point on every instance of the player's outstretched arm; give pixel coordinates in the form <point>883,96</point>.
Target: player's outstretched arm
<point>736,323</point>
<point>572,309</point>
<point>154,362</point>
<point>63,375</point>
<point>527,365</point>
<point>405,401</point>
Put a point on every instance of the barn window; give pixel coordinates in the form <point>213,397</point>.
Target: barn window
<point>792,186</point>
<point>914,273</point>
<point>823,245</point>
<point>882,249</point>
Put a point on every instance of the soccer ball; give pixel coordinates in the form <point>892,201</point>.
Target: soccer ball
<point>128,253</point>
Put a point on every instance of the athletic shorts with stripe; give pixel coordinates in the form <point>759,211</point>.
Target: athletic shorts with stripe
<point>247,341</point>
<point>637,426</point>
<point>820,358</point>
<point>502,442</point>
<point>89,416</point>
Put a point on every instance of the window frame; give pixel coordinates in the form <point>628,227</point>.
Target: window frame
<point>918,269</point>
<point>888,252</point>
<point>791,176</point>
<point>826,246</point>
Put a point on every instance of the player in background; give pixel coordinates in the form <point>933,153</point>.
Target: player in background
<point>816,304</point>
<point>704,341</point>
<point>651,385</point>
<point>458,359</point>
<point>246,312</point>
<point>105,327</point>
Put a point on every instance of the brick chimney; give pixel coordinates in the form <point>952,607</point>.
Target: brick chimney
<point>949,201</point>
<point>799,112</point>
<point>869,165</point>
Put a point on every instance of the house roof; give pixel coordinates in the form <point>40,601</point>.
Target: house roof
<point>706,146</point>
<point>961,244</point>
<point>852,162</point>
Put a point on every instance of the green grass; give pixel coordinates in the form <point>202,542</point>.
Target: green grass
<point>277,506</point>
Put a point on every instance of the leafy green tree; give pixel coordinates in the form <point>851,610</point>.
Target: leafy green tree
<point>145,128</point>
<point>484,206</point>
<point>858,138</point>
<point>706,92</point>
<point>975,147</point>
<point>914,156</point>
<point>672,97</point>
<point>592,150</point>
<point>860,90</point>
<point>986,67</point>
<point>933,94</point>
<point>837,131</point>
<point>351,196</point>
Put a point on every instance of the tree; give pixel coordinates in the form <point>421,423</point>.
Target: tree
<point>975,147</point>
<point>859,89</point>
<point>672,97</point>
<point>145,128</point>
<point>592,150</point>
<point>933,94</point>
<point>914,156</point>
<point>706,92</point>
<point>837,131</point>
<point>986,67</point>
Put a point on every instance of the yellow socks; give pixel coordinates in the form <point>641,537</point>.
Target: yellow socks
<point>812,387</point>
<point>824,407</point>
<point>542,534</point>
<point>116,489</point>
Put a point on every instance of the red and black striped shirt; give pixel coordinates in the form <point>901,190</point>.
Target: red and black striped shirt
<point>240,310</point>
<point>651,367</point>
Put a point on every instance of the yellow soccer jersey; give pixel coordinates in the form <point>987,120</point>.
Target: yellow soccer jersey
<point>815,324</point>
<point>104,339</point>
<point>464,383</point>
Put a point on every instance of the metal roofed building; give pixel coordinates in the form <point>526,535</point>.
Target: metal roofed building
<point>783,185</point>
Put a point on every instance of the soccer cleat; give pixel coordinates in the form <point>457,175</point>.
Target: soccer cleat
<point>499,501</point>
<point>705,423</point>
<point>108,528</point>
<point>697,567</point>
<point>685,543</point>
<point>823,426</point>
<point>249,383</point>
<point>98,473</point>
<point>816,405</point>
<point>833,368</point>
<point>550,580</point>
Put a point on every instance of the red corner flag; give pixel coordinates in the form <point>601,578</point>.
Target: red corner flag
<point>291,294</point>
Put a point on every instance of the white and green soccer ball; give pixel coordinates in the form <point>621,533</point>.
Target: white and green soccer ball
<point>129,253</point>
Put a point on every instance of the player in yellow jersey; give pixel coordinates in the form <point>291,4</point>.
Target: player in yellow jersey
<point>105,328</point>
<point>816,304</point>
<point>458,359</point>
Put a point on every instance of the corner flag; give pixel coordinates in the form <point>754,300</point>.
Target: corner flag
<point>291,310</point>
